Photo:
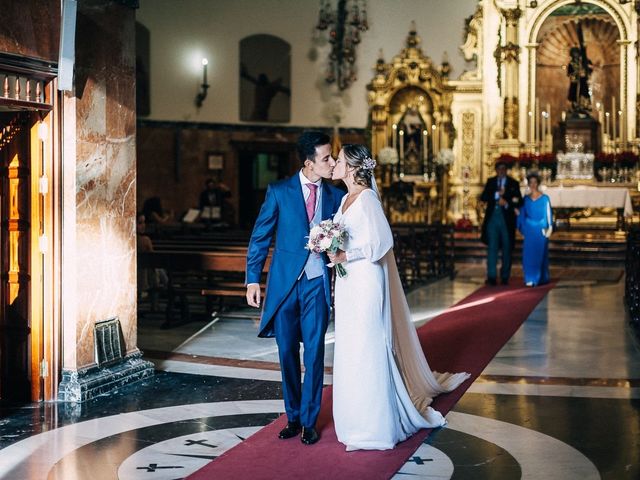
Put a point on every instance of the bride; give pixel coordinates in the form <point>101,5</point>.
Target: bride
<point>382,384</point>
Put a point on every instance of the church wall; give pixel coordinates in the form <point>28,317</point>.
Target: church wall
<point>172,158</point>
<point>182,33</point>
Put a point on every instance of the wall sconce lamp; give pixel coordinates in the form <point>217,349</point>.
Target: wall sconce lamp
<point>202,94</point>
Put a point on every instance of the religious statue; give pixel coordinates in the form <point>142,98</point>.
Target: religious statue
<point>579,70</point>
<point>413,148</point>
<point>265,90</point>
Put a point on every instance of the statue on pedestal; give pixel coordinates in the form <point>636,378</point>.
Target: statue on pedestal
<point>579,70</point>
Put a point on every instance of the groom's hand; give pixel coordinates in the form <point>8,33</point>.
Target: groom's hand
<point>253,295</point>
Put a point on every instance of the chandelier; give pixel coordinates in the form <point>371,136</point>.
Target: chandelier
<point>345,25</point>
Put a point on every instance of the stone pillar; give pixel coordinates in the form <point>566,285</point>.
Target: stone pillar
<point>99,202</point>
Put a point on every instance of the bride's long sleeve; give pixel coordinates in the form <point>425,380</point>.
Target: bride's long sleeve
<point>379,237</point>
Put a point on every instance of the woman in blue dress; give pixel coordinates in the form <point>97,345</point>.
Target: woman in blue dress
<point>535,224</point>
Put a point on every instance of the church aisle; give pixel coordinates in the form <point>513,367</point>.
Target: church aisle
<point>563,391</point>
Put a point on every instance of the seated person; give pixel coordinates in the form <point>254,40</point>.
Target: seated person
<point>212,200</point>
<point>150,280</point>
<point>153,211</point>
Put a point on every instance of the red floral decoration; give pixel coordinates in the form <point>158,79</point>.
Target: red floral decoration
<point>507,159</point>
<point>463,225</point>
<point>627,159</point>
<point>547,160</point>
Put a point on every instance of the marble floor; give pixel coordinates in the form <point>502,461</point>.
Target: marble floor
<point>559,401</point>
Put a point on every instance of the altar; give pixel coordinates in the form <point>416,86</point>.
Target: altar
<point>586,196</point>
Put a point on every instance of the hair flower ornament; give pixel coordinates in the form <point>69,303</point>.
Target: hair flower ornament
<point>368,164</point>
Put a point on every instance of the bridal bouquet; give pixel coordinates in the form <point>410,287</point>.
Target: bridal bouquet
<point>327,237</point>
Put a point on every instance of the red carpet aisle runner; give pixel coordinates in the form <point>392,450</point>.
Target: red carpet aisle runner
<point>464,338</point>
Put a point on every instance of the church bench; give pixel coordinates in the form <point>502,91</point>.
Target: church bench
<point>423,252</point>
<point>215,275</point>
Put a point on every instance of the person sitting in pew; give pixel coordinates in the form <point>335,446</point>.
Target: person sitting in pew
<point>150,280</point>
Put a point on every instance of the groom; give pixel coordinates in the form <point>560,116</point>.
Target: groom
<point>296,307</point>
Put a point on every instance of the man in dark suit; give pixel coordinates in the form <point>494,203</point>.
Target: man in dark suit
<point>298,297</point>
<point>503,197</point>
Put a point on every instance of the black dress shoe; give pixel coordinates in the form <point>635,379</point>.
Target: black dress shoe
<point>309,436</point>
<point>490,281</point>
<point>291,430</point>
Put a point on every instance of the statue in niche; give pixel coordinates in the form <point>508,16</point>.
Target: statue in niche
<point>412,124</point>
<point>579,70</point>
<point>265,90</point>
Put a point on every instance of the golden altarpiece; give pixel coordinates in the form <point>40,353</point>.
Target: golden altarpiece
<point>437,138</point>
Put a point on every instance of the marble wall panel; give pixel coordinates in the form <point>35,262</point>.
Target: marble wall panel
<point>105,173</point>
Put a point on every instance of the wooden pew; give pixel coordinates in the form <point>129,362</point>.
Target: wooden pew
<point>212,274</point>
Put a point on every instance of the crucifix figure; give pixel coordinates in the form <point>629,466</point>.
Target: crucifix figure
<point>579,70</point>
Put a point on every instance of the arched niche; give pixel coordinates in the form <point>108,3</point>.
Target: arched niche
<point>602,20</point>
<point>265,79</point>
<point>557,35</point>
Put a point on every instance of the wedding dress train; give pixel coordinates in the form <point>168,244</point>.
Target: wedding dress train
<point>382,383</point>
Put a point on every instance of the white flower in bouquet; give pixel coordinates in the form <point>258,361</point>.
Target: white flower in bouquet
<point>326,242</point>
<point>388,156</point>
<point>327,237</point>
<point>445,157</point>
<point>315,231</point>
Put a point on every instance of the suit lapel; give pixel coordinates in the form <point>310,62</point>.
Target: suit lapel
<point>298,210</point>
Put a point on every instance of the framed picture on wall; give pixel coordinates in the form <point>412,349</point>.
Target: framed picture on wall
<point>215,161</point>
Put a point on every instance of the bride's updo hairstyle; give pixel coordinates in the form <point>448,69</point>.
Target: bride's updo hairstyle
<point>359,157</point>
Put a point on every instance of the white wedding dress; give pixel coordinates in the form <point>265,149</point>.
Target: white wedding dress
<point>382,384</point>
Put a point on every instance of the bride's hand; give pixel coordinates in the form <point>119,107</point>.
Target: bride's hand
<point>339,257</point>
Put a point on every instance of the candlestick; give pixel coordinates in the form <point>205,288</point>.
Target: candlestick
<point>425,144</point>
<point>202,94</point>
<point>433,140</point>
<point>531,126</point>
<point>621,126</point>
<point>607,129</point>
<point>537,119</point>
<point>549,123</point>
<point>205,62</point>
<point>563,115</point>
<point>394,131</point>
<point>401,140</point>
<point>543,131</point>
<point>613,122</point>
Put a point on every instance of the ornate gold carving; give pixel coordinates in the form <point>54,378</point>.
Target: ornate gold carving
<point>468,141</point>
<point>472,47</point>
<point>409,80</point>
<point>511,15</point>
<point>511,117</point>
<point>412,85</point>
<point>510,53</point>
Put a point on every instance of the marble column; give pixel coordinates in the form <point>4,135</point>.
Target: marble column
<point>99,198</point>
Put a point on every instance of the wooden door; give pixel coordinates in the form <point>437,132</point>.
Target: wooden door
<point>15,252</point>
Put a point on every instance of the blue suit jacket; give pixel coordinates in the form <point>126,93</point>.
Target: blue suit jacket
<point>283,214</point>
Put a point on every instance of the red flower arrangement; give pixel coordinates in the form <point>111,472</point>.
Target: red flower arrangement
<point>604,159</point>
<point>627,159</point>
<point>547,160</point>
<point>463,225</point>
<point>507,159</point>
